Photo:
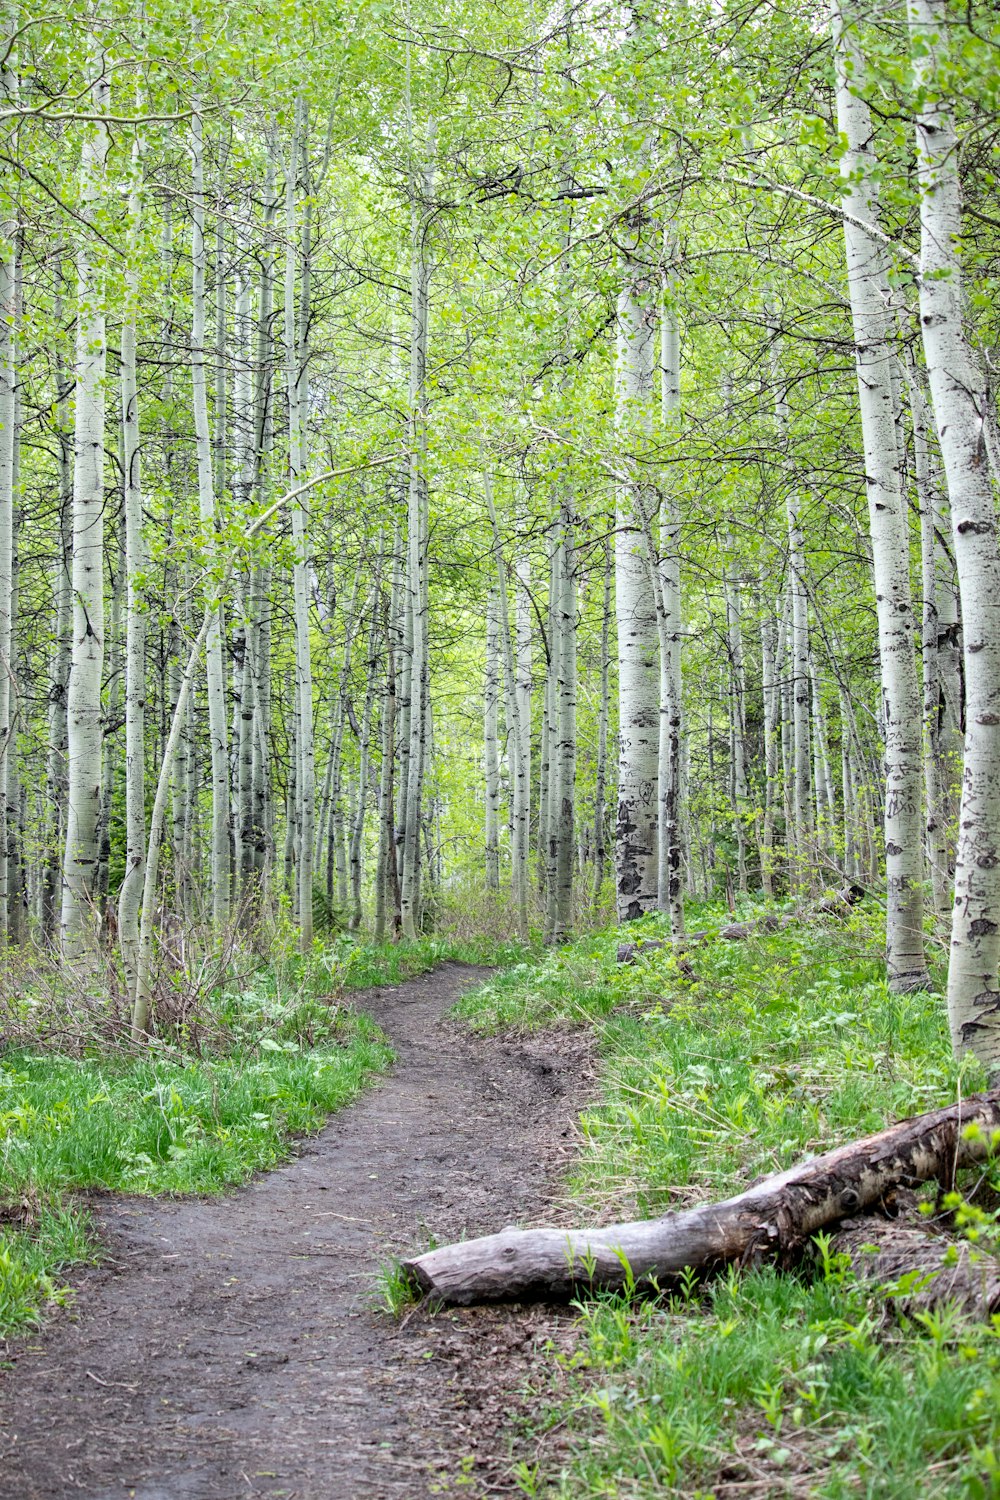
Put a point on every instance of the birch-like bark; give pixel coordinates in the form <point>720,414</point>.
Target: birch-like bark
<point>297,365</point>
<point>960,409</point>
<point>13,851</point>
<point>62,601</point>
<point>795,684</point>
<point>601,769</point>
<point>387,873</point>
<point>566,689</point>
<point>638,634</point>
<point>491,751</point>
<point>129,897</point>
<point>770,641</point>
<point>416,545</point>
<point>737,719</point>
<point>84,719</point>
<point>215,675</point>
<point>935,774</point>
<point>8,361</point>
<point>517,701</point>
<point>670,848</point>
<point>355,861</point>
<point>869,296</point>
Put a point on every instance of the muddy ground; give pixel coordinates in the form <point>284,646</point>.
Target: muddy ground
<point>232,1347</point>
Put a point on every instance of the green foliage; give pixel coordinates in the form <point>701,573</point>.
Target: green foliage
<point>162,1123</point>
<point>31,1260</point>
<point>782,1045</point>
<point>181,1125</point>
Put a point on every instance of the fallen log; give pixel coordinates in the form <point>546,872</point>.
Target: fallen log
<point>770,1220</point>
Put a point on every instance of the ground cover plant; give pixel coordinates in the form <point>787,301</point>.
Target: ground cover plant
<point>248,1058</point>
<point>807,1383</point>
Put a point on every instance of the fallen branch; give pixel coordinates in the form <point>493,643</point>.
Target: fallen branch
<point>770,1220</point>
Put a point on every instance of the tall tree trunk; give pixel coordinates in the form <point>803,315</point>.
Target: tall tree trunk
<point>84,720</point>
<point>770,638</point>
<point>416,544</point>
<point>737,720</point>
<point>130,895</point>
<point>670,848</point>
<point>8,440</point>
<point>638,635</point>
<point>935,765</point>
<point>215,675</point>
<point>960,409</point>
<point>868,288</point>
<point>601,770</point>
<point>491,753</point>
<point>62,644</point>
<point>297,364</point>
<point>517,680</point>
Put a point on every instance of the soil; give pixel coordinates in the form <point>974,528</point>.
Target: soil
<point>233,1347</point>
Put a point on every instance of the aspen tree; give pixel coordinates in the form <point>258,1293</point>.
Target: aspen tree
<point>129,896</point>
<point>670,846</point>
<point>960,408</point>
<point>516,665</point>
<point>215,676</point>
<point>868,289</point>
<point>416,542</point>
<point>601,768</point>
<point>8,299</point>
<point>635,609</point>
<point>737,718</point>
<point>297,383</point>
<point>355,860</point>
<point>56,767</point>
<point>771,666</point>
<point>491,756</point>
<point>933,522</point>
<point>84,717</point>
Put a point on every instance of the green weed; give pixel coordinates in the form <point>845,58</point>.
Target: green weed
<point>784,1044</point>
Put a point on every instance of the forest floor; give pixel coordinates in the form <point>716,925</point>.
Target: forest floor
<point>233,1347</point>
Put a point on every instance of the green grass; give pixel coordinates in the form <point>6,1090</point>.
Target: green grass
<point>781,1046</point>
<point>266,1064</point>
<point>191,1125</point>
<point>245,1067</point>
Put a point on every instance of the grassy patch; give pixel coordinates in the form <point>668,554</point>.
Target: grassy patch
<point>161,1122</point>
<point>765,1384</point>
<point>173,1125</point>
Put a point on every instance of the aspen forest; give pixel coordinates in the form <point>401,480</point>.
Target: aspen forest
<point>500,750</point>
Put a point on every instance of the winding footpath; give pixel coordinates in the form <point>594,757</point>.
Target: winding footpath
<point>232,1347</point>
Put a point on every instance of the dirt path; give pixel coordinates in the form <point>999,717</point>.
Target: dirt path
<point>231,1348</point>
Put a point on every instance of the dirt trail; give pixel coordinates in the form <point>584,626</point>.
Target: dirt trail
<point>230,1347</point>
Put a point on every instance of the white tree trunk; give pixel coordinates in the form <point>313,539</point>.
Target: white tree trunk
<point>62,597</point>
<point>8,377</point>
<point>960,409</point>
<point>130,895</point>
<point>491,755</point>
<point>601,769</point>
<point>84,719</point>
<point>869,295</point>
<point>638,635</point>
<point>296,357</point>
<point>416,549</point>
<point>215,675</point>
<point>737,720</point>
<point>670,850</point>
<point>935,769</point>
<point>517,701</point>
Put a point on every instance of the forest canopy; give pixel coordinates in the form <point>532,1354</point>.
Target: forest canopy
<point>547,451</point>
